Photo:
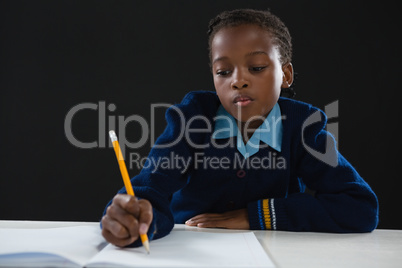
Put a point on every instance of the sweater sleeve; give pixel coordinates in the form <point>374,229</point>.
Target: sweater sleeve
<point>157,182</point>
<point>343,202</point>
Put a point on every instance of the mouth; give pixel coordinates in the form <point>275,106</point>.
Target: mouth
<point>242,100</point>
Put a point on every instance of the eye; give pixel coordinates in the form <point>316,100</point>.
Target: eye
<point>257,69</point>
<point>222,72</point>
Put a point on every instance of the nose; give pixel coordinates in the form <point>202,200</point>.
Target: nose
<point>239,80</point>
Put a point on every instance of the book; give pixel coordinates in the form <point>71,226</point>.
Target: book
<point>84,246</point>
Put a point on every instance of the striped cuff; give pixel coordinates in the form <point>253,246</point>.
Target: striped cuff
<point>262,214</point>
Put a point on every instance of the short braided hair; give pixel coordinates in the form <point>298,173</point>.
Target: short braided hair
<point>265,19</point>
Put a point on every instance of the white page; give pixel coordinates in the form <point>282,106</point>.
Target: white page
<point>190,249</point>
<point>77,244</point>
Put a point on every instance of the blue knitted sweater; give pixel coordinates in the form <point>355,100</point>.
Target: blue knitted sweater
<point>186,174</point>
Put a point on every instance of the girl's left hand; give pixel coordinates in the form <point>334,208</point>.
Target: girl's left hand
<point>235,219</point>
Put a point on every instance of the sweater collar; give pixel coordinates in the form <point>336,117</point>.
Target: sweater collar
<point>269,132</point>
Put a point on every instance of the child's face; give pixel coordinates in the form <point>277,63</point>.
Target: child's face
<point>247,71</point>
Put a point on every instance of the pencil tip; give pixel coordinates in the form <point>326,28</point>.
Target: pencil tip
<point>146,246</point>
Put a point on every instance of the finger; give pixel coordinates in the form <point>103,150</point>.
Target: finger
<point>190,223</point>
<point>145,217</point>
<point>128,203</point>
<point>114,227</point>
<point>194,221</point>
<point>116,241</point>
<point>237,219</point>
<point>206,216</point>
<point>121,216</point>
<point>237,222</point>
<point>115,233</point>
<point>211,224</point>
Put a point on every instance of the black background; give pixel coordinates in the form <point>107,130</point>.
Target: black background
<point>55,55</point>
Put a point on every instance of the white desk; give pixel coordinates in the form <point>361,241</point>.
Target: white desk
<point>381,248</point>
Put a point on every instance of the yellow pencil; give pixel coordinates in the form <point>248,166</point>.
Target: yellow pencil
<point>126,178</point>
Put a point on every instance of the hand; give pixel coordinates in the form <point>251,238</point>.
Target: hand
<point>235,219</point>
<point>125,219</point>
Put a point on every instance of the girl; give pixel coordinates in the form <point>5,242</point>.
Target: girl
<point>242,157</point>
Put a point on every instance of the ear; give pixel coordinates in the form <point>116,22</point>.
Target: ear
<point>287,78</point>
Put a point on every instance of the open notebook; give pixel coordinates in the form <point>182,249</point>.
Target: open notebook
<point>84,246</point>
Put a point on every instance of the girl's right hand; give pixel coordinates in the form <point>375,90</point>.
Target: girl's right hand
<point>125,219</point>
